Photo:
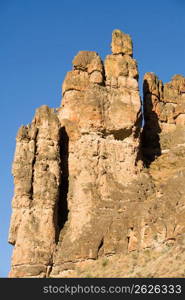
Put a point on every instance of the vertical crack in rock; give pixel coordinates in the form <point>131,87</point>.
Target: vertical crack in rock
<point>128,241</point>
<point>100,247</point>
<point>137,135</point>
<point>62,204</point>
<point>151,130</point>
<point>33,163</point>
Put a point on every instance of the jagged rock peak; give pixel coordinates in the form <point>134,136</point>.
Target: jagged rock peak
<point>121,43</point>
<point>100,97</point>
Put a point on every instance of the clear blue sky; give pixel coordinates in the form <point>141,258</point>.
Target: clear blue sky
<point>39,39</point>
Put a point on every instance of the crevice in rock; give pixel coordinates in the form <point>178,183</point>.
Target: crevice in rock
<point>33,165</point>
<point>150,137</point>
<point>62,210</point>
<point>119,134</point>
<point>138,124</point>
<point>100,248</point>
<point>103,74</point>
<point>137,135</point>
<point>49,270</point>
<point>69,90</point>
<point>128,241</point>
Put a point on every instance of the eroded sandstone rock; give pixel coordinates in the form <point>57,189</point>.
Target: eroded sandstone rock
<point>82,193</point>
<point>164,110</point>
<point>121,43</point>
<point>102,123</point>
<point>37,176</point>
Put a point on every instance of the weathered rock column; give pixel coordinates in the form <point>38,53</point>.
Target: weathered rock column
<point>76,170</point>
<point>37,173</point>
<point>101,114</point>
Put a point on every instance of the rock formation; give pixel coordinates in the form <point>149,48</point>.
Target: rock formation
<point>164,110</point>
<point>90,183</point>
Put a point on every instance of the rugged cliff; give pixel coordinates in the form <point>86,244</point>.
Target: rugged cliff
<point>96,194</point>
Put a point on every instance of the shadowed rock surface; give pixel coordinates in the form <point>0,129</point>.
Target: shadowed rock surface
<point>92,188</point>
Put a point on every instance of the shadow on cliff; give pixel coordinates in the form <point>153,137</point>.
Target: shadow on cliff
<point>150,137</point>
<point>62,205</point>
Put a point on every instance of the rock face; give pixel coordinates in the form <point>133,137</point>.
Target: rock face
<point>88,181</point>
<point>37,177</point>
<point>164,110</point>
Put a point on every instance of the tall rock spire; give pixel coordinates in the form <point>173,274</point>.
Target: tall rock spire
<point>82,193</point>
<point>37,177</point>
<point>101,113</point>
<point>67,196</point>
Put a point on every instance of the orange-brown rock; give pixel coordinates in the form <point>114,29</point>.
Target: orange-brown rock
<point>121,43</point>
<point>37,177</point>
<point>102,123</point>
<point>164,110</point>
<point>90,188</point>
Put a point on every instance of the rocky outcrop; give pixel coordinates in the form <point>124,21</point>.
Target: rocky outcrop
<point>164,111</point>
<point>101,117</point>
<point>83,187</point>
<point>163,148</point>
<point>37,178</point>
